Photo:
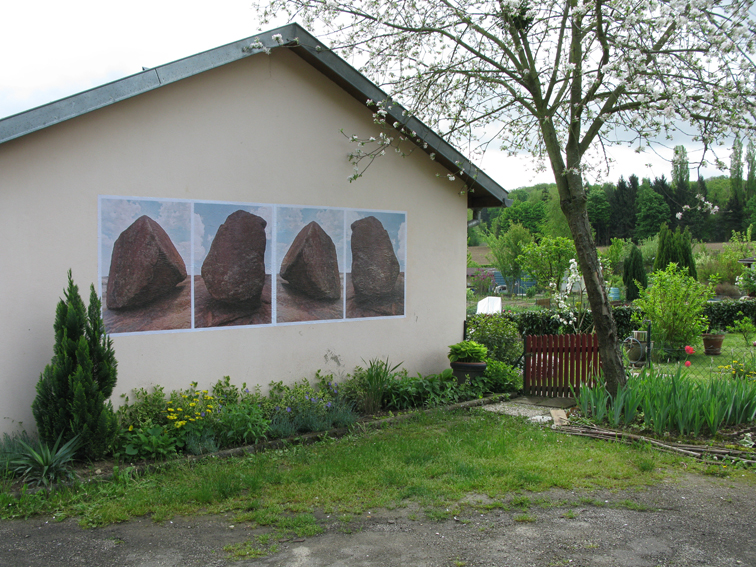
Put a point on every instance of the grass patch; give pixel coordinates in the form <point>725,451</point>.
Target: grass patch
<point>433,460</point>
<point>525,518</point>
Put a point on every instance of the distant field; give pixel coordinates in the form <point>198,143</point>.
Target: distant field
<point>479,253</point>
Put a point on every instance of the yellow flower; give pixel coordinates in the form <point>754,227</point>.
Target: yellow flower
<point>192,405</point>
<point>180,409</point>
<point>204,391</point>
<point>184,396</point>
<point>171,417</point>
<point>210,407</point>
<point>131,428</point>
<point>209,411</point>
<point>170,401</point>
<point>171,409</point>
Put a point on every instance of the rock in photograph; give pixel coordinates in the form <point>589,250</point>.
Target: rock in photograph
<point>145,266</point>
<point>311,265</point>
<point>234,269</point>
<point>375,268</point>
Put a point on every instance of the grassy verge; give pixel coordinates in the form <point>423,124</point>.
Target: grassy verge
<point>433,460</point>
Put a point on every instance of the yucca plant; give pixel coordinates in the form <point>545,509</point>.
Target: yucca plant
<point>42,465</point>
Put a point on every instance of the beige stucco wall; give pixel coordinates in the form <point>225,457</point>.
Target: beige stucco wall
<point>266,130</point>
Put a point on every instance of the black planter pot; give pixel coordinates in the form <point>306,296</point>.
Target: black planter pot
<point>462,370</point>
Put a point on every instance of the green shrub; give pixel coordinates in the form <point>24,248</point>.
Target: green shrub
<point>147,409</point>
<point>498,334</point>
<point>681,324</point>
<point>73,389</point>
<point>502,377</point>
<point>153,443</point>
<point>240,423</point>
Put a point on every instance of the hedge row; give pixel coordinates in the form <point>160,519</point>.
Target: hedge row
<point>543,322</point>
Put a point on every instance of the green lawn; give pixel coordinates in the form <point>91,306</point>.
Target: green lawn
<point>433,461</point>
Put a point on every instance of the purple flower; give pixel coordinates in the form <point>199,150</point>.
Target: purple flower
<point>202,414</point>
<point>288,409</point>
<point>277,408</point>
<point>328,405</point>
<point>246,390</point>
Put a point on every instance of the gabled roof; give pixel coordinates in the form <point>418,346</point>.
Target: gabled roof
<point>484,191</point>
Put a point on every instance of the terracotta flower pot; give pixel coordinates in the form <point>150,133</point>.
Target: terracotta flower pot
<point>712,343</point>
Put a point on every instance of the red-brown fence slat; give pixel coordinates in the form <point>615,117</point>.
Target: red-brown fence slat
<point>553,363</point>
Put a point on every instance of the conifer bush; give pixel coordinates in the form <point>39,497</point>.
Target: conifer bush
<point>73,390</point>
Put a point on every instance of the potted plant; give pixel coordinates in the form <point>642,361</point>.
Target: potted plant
<point>467,358</point>
<point>712,341</point>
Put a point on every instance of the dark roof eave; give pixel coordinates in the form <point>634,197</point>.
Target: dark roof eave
<point>482,190</point>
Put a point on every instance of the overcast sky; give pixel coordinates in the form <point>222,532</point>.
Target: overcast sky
<point>49,50</point>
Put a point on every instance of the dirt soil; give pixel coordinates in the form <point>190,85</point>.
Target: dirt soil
<point>692,521</point>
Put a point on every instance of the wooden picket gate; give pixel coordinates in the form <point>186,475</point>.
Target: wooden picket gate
<point>554,362</point>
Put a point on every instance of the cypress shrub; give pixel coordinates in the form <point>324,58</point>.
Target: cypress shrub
<point>73,389</point>
<point>634,272</point>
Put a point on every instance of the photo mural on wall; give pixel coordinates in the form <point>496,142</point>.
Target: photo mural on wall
<point>232,283</point>
<point>310,253</point>
<point>169,265</point>
<point>375,282</point>
<point>144,253</point>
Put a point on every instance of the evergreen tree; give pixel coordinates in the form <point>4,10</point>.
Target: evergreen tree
<point>661,187</point>
<point>665,249</point>
<point>599,214</point>
<point>675,247</point>
<point>684,249</point>
<point>73,389</point>
<point>634,272</point>
<point>736,169</point>
<point>623,208</point>
<point>652,212</point>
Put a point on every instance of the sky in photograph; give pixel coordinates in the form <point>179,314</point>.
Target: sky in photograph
<point>50,50</point>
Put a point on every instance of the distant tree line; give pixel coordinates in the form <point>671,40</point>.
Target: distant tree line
<point>634,209</point>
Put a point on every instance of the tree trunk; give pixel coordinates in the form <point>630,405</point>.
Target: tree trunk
<point>573,202</point>
<point>603,321</point>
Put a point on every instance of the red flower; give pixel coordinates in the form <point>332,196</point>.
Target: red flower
<point>689,350</point>
<point>687,363</point>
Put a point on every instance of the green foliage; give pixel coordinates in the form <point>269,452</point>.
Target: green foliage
<point>146,410</point>
<point>41,465</point>
<point>548,260</point>
<point>10,446</point>
<point>747,281</point>
<point>498,334</point>
<point>502,377</point>
<point>241,424</point>
<point>651,213</point>
<point>675,247</point>
<point>681,325</point>
<point>672,402</point>
<point>739,247</point>
<point>721,314</point>
<point>612,258</point>
<point>376,379</point>
<point>467,351</point>
<point>506,250</point>
<point>154,443</point>
<point>529,214</point>
<point>634,274</point>
<point>744,327</point>
<point>73,388</point>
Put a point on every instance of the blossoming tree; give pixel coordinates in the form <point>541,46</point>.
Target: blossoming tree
<point>558,78</point>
